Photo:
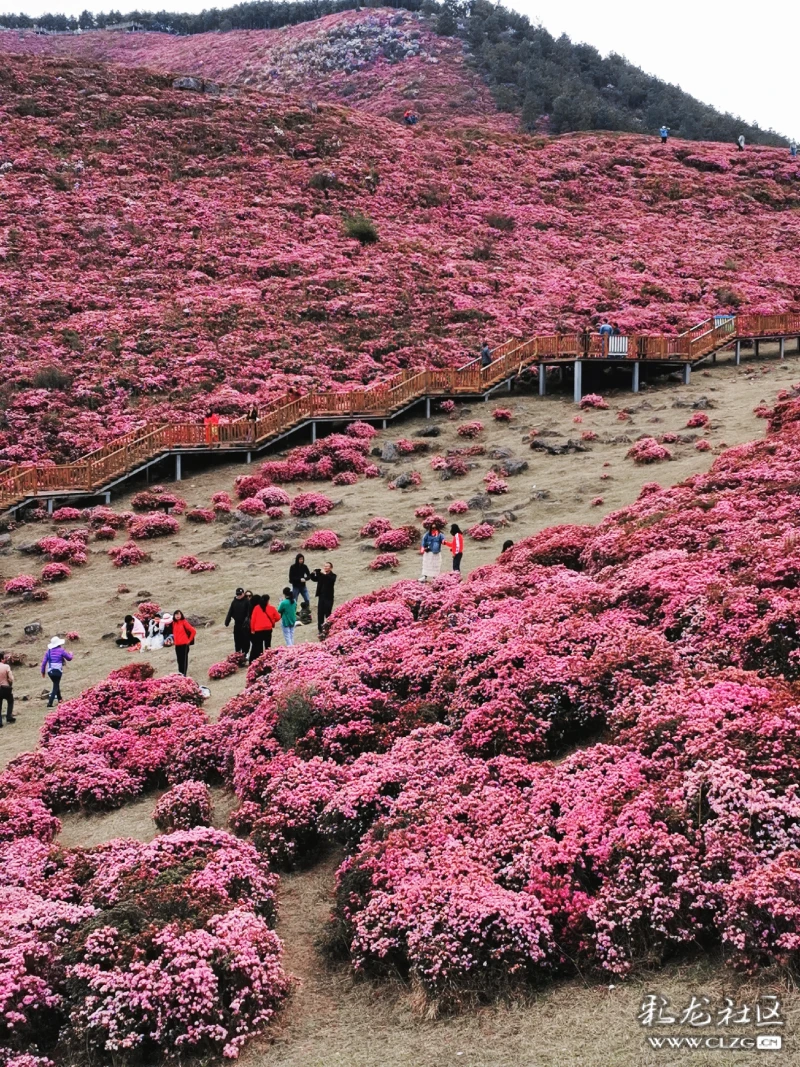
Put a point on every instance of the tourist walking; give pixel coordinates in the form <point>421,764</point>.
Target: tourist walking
<point>432,553</point>
<point>793,149</point>
<point>252,423</point>
<point>663,133</point>
<point>239,615</point>
<point>325,580</point>
<point>740,142</point>
<point>183,634</point>
<point>298,577</point>
<point>287,609</point>
<point>456,546</point>
<point>263,619</point>
<point>605,330</point>
<point>53,666</point>
<point>486,354</point>
<point>6,690</point>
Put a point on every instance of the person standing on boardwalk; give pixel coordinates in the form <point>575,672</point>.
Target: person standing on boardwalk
<point>183,634</point>
<point>298,576</point>
<point>239,615</point>
<point>6,690</point>
<point>325,580</point>
<point>432,553</point>
<point>456,546</point>
<point>605,330</point>
<point>287,609</point>
<point>486,354</point>
<point>663,133</point>
<point>53,666</point>
<point>263,619</point>
<point>252,423</point>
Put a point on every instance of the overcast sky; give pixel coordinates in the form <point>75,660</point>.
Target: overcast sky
<point>739,56</point>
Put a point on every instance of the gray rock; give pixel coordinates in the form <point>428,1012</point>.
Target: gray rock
<point>403,481</point>
<point>540,494</point>
<point>144,594</point>
<point>304,525</point>
<point>428,431</point>
<point>501,453</point>
<point>194,85</point>
<point>561,449</point>
<point>5,540</point>
<point>389,453</point>
<point>212,88</point>
<point>246,524</point>
<point>33,629</point>
<point>511,467</point>
<point>28,549</point>
<point>481,501</point>
<point>200,622</point>
<point>687,438</point>
<point>548,433</point>
<point>109,636</point>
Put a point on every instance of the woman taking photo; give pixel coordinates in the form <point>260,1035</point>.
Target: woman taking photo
<point>183,634</point>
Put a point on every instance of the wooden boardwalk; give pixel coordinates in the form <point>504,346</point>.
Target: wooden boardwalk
<point>99,471</point>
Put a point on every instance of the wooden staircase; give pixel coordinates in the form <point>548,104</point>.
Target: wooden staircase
<point>99,470</point>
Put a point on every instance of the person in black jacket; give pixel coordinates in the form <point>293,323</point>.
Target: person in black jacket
<point>239,614</point>
<point>298,576</point>
<point>325,580</point>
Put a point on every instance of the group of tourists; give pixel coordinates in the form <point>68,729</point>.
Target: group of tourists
<point>52,667</point>
<point>431,550</point>
<point>255,618</point>
<point>166,629</point>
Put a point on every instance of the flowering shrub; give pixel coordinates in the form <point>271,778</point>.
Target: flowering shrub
<point>184,806</point>
<point>371,471</point>
<point>55,572</point>
<point>251,506</point>
<point>384,562</point>
<point>101,516</point>
<point>702,445</point>
<point>698,418</point>
<point>23,583</point>
<point>458,507</point>
<point>310,504</point>
<point>423,512</point>
<point>588,435</point>
<point>194,565</point>
<point>275,513</point>
<point>273,496</point>
<point>147,610</point>
<point>201,515</point>
<point>495,485</point>
<point>221,503</point>
<point>246,486</point>
<point>67,515</point>
<point>105,533</point>
<point>278,546</point>
<point>362,430</point>
<point>668,438</point>
<point>375,526</point>
<point>72,635</point>
<point>432,520</point>
<point>345,478</point>
<point>502,414</point>
<point>128,555</point>
<point>157,497</point>
<point>593,400</point>
<point>482,531</point>
<point>470,429</point>
<point>447,406</point>
<point>27,817</point>
<point>414,480</point>
<point>598,500</point>
<point>322,539</point>
<point>393,540</point>
<point>154,524</point>
<point>648,450</point>
<point>59,549</point>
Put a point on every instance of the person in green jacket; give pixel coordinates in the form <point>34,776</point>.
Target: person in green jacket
<point>287,609</point>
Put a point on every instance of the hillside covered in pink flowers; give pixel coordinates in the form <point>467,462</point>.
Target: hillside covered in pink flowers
<point>163,251</point>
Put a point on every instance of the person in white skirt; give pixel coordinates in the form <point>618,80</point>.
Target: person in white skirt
<point>432,553</point>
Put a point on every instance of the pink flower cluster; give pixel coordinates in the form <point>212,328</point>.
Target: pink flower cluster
<point>324,540</point>
<point>128,555</point>
<point>23,583</point>
<point>502,415</point>
<point>154,524</point>
<point>376,525</point>
<point>482,531</point>
<point>470,429</point>
<point>201,515</point>
<point>157,497</point>
<point>593,400</point>
<point>184,806</point>
<point>386,561</point>
<point>395,540</point>
<point>648,450</point>
<point>55,572</point>
<point>310,504</point>
<point>194,565</point>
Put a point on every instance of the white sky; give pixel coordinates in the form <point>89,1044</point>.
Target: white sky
<point>742,56</point>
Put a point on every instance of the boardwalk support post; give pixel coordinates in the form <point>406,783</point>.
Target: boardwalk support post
<point>178,467</point>
<point>687,373</point>
<point>384,423</point>
<point>108,498</point>
<point>635,383</point>
<point>756,345</point>
<point>427,407</point>
<point>313,433</point>
<point>737,359</point>
<point>783,347</point>
<point>510,383</point>
<point>50,506</point>
<point>578,376</point>
<point>249,457</point>
<point>543,378</point>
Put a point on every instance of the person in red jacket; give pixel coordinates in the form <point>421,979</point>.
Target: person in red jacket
<point>263,618</point>
<point>183,633</point>
<point>456,546</point>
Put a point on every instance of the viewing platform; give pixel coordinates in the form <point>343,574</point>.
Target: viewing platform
<point>97,473</point>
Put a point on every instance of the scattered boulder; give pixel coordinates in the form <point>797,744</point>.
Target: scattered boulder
<point>428,431</point>
<point>403,481</point>
<point>540,494</point>
<point>500,453</point>
<point>193,85</point>
<point>481,501</point>
<point>389,453</point>
<point>510,467</point>
<point>212,88</point>
<point>29,548</point>
<point>109,636</point>
<point>33,629</point>
<point>561,449</point>
<point>200,622</point>
<point>144,594</point>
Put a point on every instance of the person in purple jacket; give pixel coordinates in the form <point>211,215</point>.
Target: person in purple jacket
<point>53,665</point>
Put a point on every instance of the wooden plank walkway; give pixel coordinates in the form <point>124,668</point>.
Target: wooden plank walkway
<point>106,466</point>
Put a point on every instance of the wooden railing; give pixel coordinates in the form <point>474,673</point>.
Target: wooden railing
<point>113,460</point>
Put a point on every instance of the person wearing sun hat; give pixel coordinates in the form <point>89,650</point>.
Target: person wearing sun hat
<point>53,666</point>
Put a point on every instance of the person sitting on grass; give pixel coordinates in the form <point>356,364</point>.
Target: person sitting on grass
<point>132,632</point>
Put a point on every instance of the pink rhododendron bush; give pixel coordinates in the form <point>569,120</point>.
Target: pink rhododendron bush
<point>186,805</point>
<point>183,251</point>
<point>133,953</point>
<point>584,757</point>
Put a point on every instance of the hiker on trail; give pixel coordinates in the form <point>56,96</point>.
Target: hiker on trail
<point>432,553</point>
<point>6,690</point>
<point>239,615</point>
<point>287,609</point>
<point>263,619</point>
<point>793,149</point>
<point>663,133</point>
<point>298,576</point>
<point>183,634</point>
<point>325,580</point>
<point>486,354</point>
<point>132,632</point>
<point>456,546</point>
<point>740,142</point>
<point>53,666</point>
<point>252,421</point>
<point>605,330</point>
